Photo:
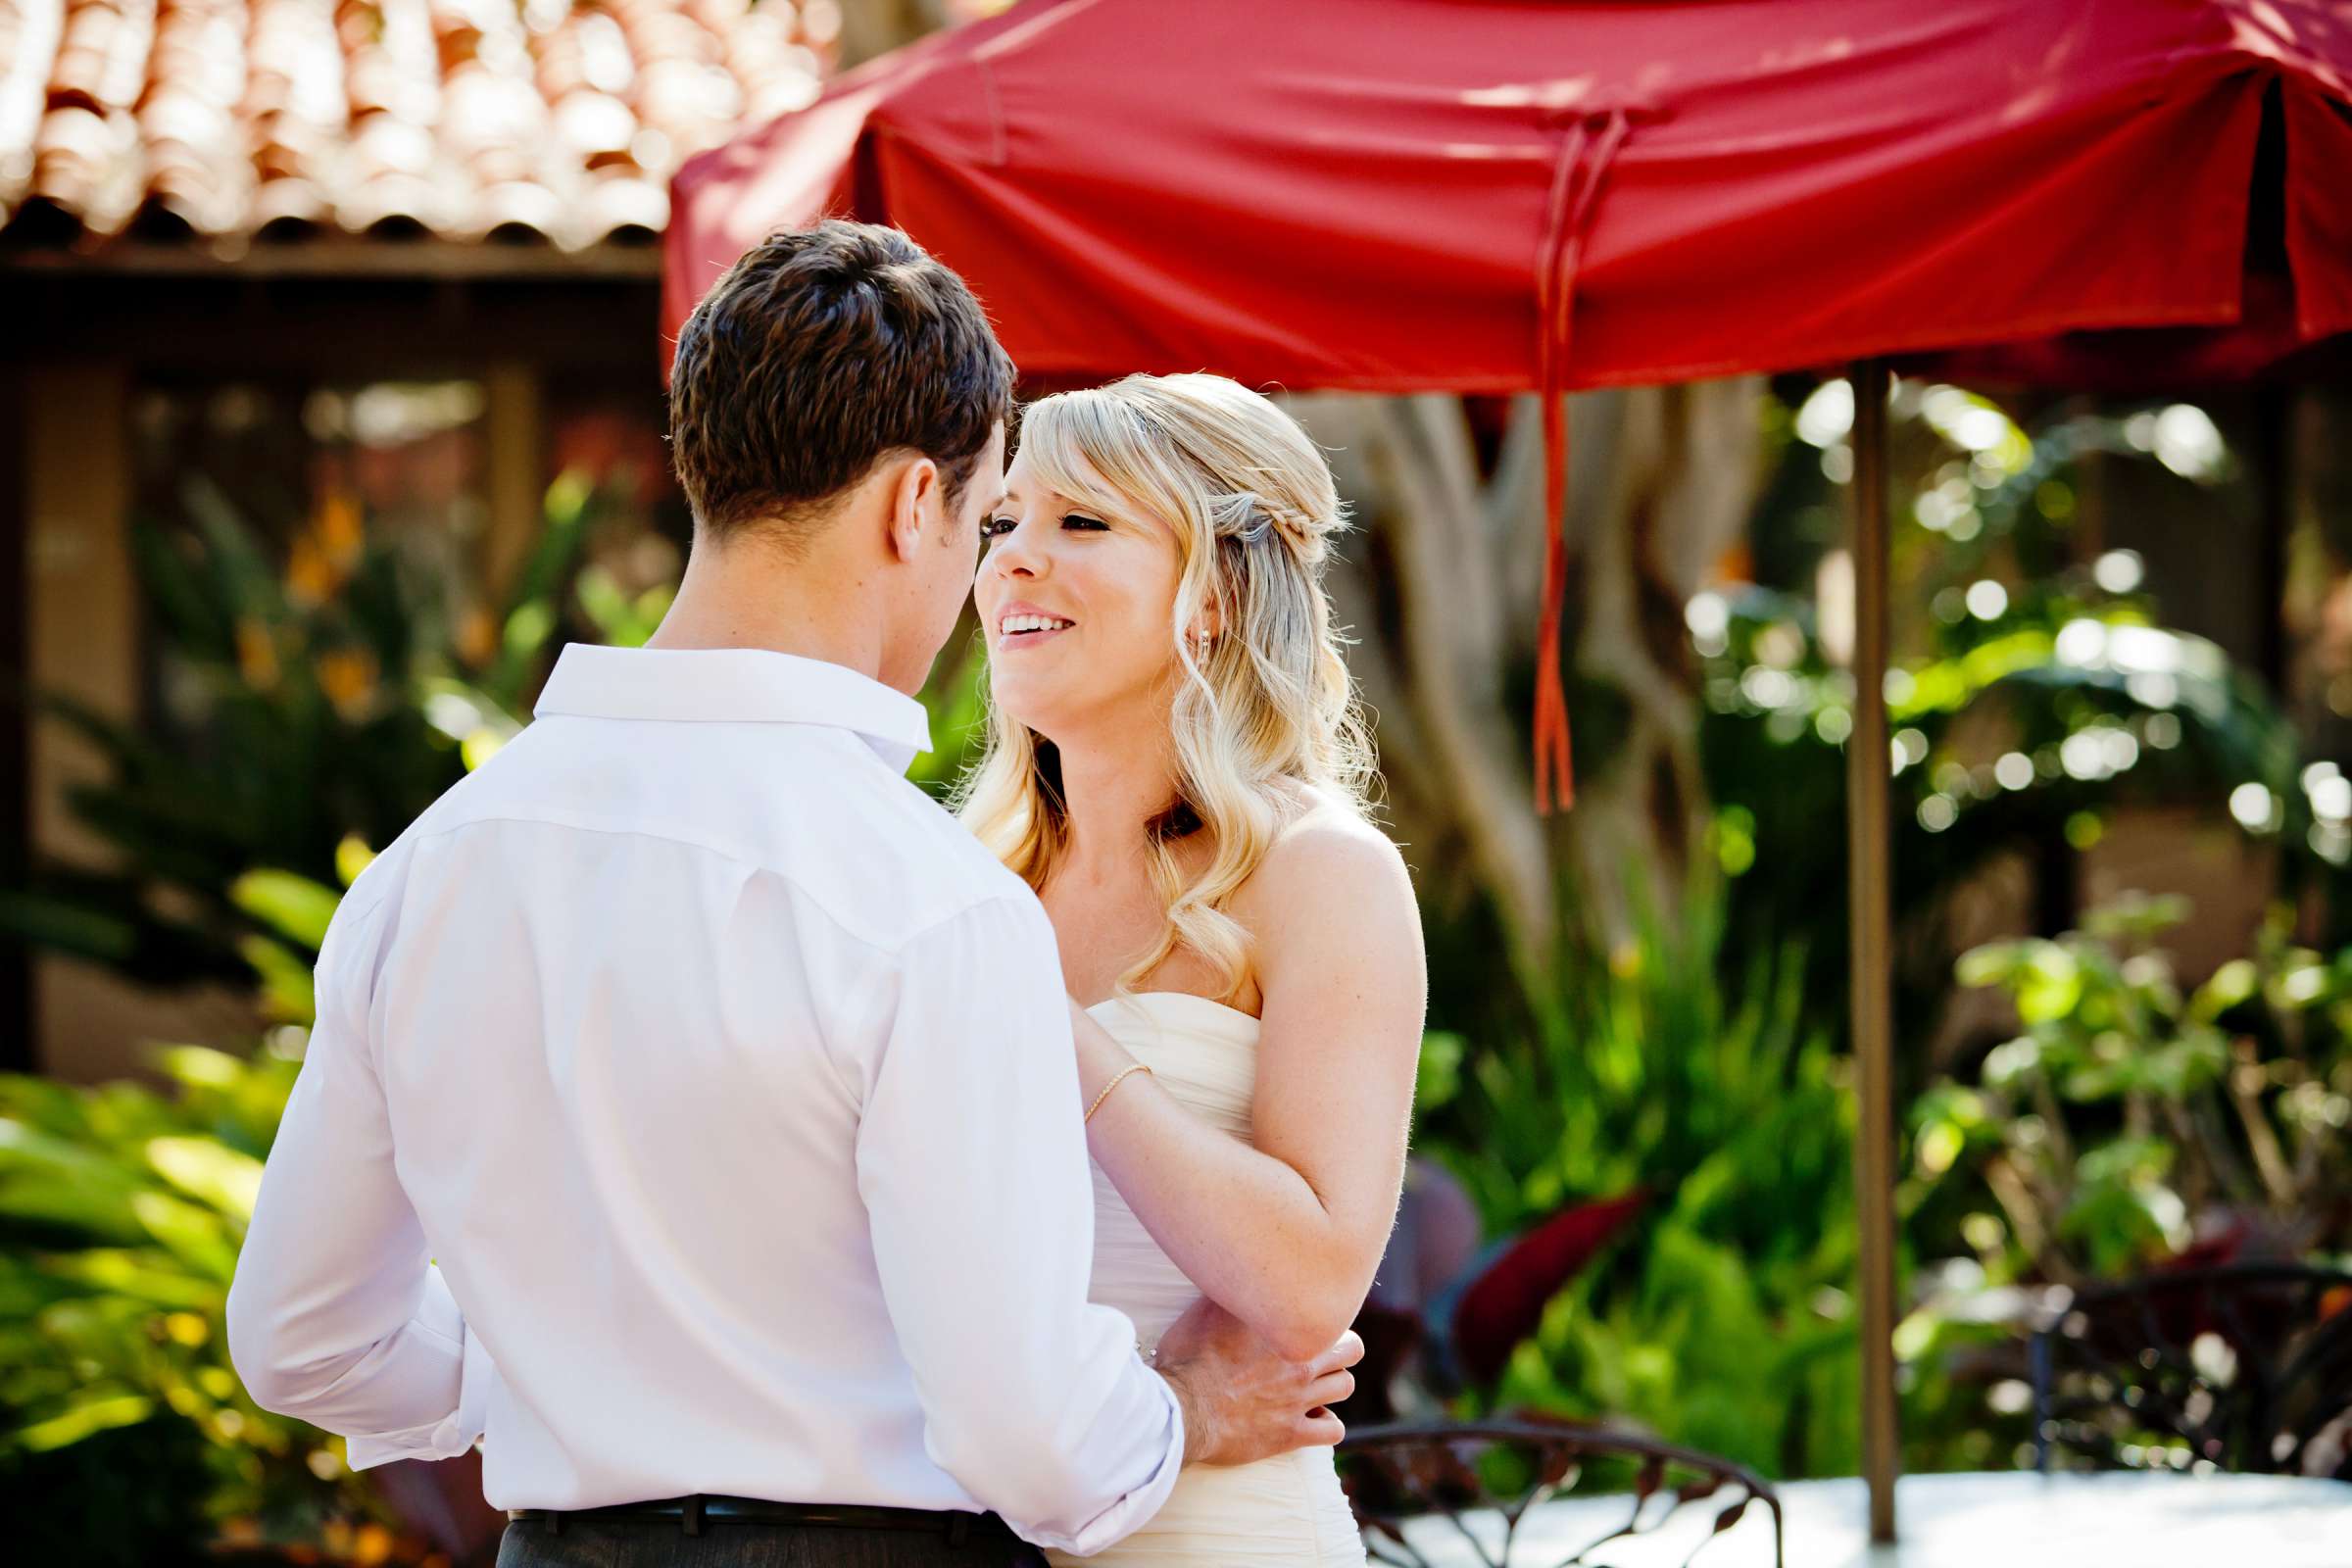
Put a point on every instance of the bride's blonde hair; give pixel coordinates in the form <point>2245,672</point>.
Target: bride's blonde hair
<point>1267,707</point>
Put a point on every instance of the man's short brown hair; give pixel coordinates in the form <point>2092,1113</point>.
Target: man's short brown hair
<point>817,353</point>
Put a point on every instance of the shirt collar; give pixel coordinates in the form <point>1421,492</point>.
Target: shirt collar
<point>734,686</point>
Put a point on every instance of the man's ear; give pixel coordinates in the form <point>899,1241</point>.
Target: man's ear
<point>916,507</point>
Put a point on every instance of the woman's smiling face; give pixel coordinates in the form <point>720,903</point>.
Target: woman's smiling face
<point>1076,606</point>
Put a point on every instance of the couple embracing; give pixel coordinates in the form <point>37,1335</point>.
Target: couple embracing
<point>701,1117</point>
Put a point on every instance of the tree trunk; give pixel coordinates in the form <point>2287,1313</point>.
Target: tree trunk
<point>1422,589</point>
<point>1680,478</point>
<point>1442,584</point>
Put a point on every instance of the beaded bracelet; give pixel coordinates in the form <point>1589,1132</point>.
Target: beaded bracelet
<point>1109,1087</point>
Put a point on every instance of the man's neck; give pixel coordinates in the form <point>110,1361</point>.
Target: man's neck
<point>747,596</point>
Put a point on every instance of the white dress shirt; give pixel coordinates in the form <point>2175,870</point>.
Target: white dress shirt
<point>728,1083</point>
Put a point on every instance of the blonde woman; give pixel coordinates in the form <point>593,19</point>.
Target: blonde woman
<point>1175,764</point>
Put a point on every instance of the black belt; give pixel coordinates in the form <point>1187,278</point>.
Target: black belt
<point>692,1514</point>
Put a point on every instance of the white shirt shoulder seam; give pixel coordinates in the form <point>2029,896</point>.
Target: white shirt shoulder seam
<point>586,823</point>
<point>985,901</point>
<point>735,855</point>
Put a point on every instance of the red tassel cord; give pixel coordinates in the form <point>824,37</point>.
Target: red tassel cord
<point>1577,176</point>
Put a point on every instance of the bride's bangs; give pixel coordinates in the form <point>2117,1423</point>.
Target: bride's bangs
<point>1084,448</point>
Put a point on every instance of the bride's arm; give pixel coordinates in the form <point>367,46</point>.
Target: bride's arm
<point>1286,1236</point>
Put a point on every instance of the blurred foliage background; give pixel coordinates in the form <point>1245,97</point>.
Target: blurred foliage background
<point>2076,1103</point>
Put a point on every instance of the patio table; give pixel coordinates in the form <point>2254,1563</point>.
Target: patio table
<point>2005,1519</point>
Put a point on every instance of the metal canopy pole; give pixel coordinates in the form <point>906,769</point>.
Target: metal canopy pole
<point>1869,844</point>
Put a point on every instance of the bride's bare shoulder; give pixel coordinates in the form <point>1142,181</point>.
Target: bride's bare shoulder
<point>1334,930</point>
<point>1330,863</point>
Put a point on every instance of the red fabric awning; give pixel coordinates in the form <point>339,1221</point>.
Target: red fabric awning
<point>1351,193</point>
<point>1489,196</point>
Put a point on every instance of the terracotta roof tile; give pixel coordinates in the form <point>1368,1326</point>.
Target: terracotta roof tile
<point>553,122</point>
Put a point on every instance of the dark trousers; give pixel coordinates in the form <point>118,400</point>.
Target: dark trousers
<point>662,1543</point>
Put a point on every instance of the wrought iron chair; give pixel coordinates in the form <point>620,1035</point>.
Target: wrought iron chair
<point>2242,1366</point>
<point>1400,1474</point>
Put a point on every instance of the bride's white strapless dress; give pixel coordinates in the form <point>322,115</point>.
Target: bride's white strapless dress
<point>1284,1512</point>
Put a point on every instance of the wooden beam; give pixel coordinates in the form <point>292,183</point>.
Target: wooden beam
<point>517,472</point>
<point>82,637</point>
<point>2275,425</point>
<point>17,1053</point>
<point>338,328</point>
<point>1870,842</point>
<point>81,630</point>
<point>344,259</point>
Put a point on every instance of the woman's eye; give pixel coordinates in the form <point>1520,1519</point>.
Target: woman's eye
<point>1079,519</point>
<point>996,527</point>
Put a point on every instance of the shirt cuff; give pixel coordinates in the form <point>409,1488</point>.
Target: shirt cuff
<point>460,1429</point>
<point>1135,1509</point>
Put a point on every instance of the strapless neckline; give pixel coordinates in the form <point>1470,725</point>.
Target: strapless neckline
<point>1232,1013</point>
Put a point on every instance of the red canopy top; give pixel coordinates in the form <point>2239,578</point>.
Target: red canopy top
<point>1499,195</point>
<point>1362,193</point>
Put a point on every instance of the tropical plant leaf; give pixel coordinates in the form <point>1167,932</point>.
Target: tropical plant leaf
<point>207,1171</point>
<point>293,906</point>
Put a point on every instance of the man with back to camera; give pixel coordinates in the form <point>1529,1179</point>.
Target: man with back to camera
<point>692,1108</point>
